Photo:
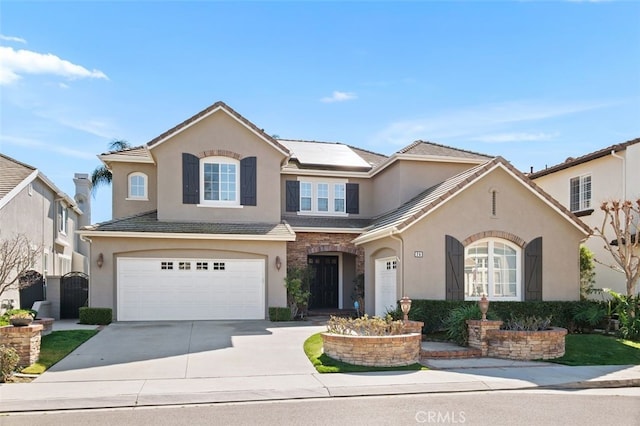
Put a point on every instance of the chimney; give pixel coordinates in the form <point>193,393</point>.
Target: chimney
<point>83,197</point>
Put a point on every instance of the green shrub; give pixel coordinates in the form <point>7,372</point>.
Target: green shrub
<point>456,325</point>
<point>99,316</point>
<point>279,314</point>
<point>532,323</point>
<point>297,283</point>
<point>8,362</point>
<point>587,316</point>
<point>628,310</point>
<point>365,326</point>
<point>19,313</point>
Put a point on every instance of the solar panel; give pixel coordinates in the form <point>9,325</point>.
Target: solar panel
<point>324,154</point>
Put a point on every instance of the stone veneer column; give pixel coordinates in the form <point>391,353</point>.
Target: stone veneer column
<point>25,340</point>
<point>478,333</point>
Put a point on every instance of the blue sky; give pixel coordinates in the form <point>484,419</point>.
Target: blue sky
<point>534,82</point>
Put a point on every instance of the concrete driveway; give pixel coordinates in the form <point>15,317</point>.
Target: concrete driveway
<point>187,349</point>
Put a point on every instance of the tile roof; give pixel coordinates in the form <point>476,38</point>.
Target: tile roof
<point>570,162</point>
<point>429,148</point>
<point>326,222</point>
<point>138,151</point>
<point>12,172</point>
<point>148,223</point>
<point>438,194</point>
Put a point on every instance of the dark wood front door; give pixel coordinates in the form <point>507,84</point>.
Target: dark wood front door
<point>324,282</point>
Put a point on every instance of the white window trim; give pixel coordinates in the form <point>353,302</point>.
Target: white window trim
<point>519,271</point>
<point>145,196</point>
<point>216,203</point>
<point>63,218</point>
<point>314,197</point>
<point>581,201</point>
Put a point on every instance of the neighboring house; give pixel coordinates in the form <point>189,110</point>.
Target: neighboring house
<point>208,216</point>
<point>32,205</point>
<point>582,184</point>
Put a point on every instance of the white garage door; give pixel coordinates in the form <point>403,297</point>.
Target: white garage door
<point>188,289</point>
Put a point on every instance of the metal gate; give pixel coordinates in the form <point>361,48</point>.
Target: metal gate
<point>74,294</point>
<point>34,290</point>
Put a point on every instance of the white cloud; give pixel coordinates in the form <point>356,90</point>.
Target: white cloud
<point>514,137</point>
<point>14,63</point>
<point>339,97</point>
<point>13,39</point>
<point>478,120</point>
<point>43,146</point>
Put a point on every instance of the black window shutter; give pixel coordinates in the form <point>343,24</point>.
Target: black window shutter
<point>248,181</point>
<point>533,270</point>
<point>190,179</point>
<point>293,196</point>
<point>353,198</point>
<point>454,273</point>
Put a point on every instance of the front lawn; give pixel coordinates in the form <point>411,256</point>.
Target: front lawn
<point>598,349</point>
<point>325,364</point>
<point>57,345</point>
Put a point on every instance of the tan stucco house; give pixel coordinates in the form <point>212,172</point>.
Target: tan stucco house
<point>208,216</point>
<point>583,183</point>
<point>32,205</point>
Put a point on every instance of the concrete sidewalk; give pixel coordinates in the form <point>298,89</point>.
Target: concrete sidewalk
<point>220,371</point>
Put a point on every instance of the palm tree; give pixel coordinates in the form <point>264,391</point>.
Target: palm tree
<point>101,175</point>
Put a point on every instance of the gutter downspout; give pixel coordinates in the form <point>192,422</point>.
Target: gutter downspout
<point>392,235</point>
<point>624,173</point>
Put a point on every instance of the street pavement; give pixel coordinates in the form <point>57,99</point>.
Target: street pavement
<point>191,362</point>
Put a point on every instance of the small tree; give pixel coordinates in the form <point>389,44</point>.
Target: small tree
<point>17,257</point>
<point>297,283</point>
<point>624,245</point>
<point>587,272</point>
<point>102,175</point>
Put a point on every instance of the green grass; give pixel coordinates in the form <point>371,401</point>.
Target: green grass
<point>56,346</point>
<point>597,349</point>
<point>325,364</point>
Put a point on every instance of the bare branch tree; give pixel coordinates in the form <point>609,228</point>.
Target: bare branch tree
<point>624,246</point>
<point>17,256</point>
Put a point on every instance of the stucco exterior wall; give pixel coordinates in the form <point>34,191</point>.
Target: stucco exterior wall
<point>102,287</point>
<point>121,206</point>
<point>611,178</point>
<point>519,212</point>
<point>217,132</point>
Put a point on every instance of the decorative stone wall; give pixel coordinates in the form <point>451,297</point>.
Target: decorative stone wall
<point>478,334</point>
<point>526,345</point>
<point>25,340</point>
<point>413,326</point>
<point>316,242</point>
<point>519,345</point>
<point>47,325</point>
<point>376,351</point>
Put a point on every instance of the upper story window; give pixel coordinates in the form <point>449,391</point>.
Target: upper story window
<point>322,198</point>
<point>220,181</point>
<point>63,216</point>
<point>580,193</point>
<point>492,267</point>
<point>138,186</point>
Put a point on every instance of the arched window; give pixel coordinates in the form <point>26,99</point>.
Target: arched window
<point>219,181</point>
<point>492,266</point>
<point>137,186</point>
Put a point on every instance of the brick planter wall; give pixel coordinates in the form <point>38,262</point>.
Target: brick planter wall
<point>373,351</point>
<point>526,345</point>
<point>520,345</point>
<point>47,325</point>
<point>413,326</point>
<point>25,340</point>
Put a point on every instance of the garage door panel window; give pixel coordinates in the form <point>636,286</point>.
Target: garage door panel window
<point>166,265</point>
<point>492,268</point>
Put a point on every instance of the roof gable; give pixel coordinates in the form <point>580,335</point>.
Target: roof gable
<point>420,147</point>
<point>217,107</point>
<point>571,162</point>
<point>432,198</point>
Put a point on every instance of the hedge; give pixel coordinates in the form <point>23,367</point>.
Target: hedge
<point>279,314</point>
<point>433,312</point>
<point>99,316</point>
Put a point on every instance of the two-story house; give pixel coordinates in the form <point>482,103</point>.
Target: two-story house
<point>582,184</point>
<point>31,205</point>
<point>209,215</point>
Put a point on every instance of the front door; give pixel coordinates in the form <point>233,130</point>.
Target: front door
<point>324,282</point>
<point>386,285</point>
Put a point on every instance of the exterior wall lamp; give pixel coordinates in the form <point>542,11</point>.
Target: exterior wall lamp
<point>100,260</point>
<point>405,305</point>
<point>278,263</point>
<point>483,303</point>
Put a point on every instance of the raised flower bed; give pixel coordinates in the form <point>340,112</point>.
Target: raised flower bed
<point>372,341</point>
